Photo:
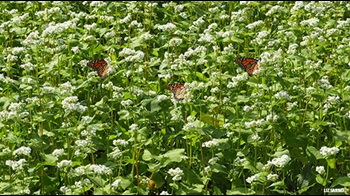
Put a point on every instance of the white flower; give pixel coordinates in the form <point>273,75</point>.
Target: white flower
<point>100,169</point>
<point>115,154</point>
<point>239,161</point>
<point>324,83</point>
<point>325,151</point>
<point>135,23</point>
<point>66,88</point>
<point>116,183</point>
<point>164,193</point>
<point>247,108</point>
<point>146,36</point>
<point>126,19</point>
<point>25,191</point>
<point>83,143</point>
<point>58,152</point>
<point>166,27</point>
<point>228,134</point>
<point>71,104</point>
<point>66,190</point>
<point>90,27</point>
<point>282,95</point>
<point>254,123</point>
<point>16,165</point>
<point>215,90</point>
<point>128,102</point>
<point>252,178</point>
<point>275,9</point>
<point>162,97</point>
<point>320,169</point>
<point>297,6</point>
<point>232,84</point>
<point>183,157</point>
<point>175,41</point>
<point>6,150</point>
<point>210,144</point>
<point>311,22</point>
<point>272,177</point>
<point>131,55</point>
<point>272,117</point>
<point>206,37</point>
<point>207,169</point>
<point>213,160</point>
<point>199,21</point>
<point>22,151</point>
<point>291,105</point>
<point>133,127</point>
<point>292,48</point>
<point>28,66</point>
<point>227,125</point>
<point>176,173</point>
<point>64,163</point>
<point>255,24</point>
<point>255,137</point>
<point>120,142</point>
<point>189,126</point>
<point>348,114</point>
<point>280,162</point>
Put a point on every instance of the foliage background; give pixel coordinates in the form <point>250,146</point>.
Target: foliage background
<point>126,133</point>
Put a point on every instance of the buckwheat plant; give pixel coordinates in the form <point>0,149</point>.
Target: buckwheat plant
<point>62,124</point>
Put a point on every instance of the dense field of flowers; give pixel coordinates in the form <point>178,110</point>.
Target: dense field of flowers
<point>284,130</point>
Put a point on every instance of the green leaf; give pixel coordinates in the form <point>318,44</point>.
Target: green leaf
<point>279,184</point>
<point>233,39</point>
<point>124,115</point>
<point>174,155</point>
<point>155,105</point>
<point>305,188</point>
<point>343,181</point>
<point>321,180</point>
<point>97,180</point>
<point>219,168</point>
<point>331,162</point>
<point>242,99</point>
<point>147,156</point>
<point>4,187</point>
<point>158,180</point>
<point>310,150</point>
<point>240,191</point>
<point>50,159</point>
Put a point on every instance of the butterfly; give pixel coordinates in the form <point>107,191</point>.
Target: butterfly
<point>101,66</point>
<point>250,65</point>
<point>178,90</point>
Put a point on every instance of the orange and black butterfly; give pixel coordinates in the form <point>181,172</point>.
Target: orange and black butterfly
<point>178,90</point>
<point>101,66</point>
<point>250,65</point>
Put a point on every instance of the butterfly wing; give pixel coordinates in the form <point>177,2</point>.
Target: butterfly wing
<point>101,66</point>
<point>169,87</point>
<point>251,68</point>
<point>96,64</point>
<point>248,64</point>
<point>178,91</point>
<point>103,70</point>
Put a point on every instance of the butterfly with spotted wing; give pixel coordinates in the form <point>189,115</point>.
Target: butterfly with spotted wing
<point>250,65</point>
<point>179,91</point>
<point>101,66</point>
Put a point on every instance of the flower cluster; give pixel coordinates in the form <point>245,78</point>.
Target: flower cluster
<point>279,162</point>
<point>325,151</point>
<point>71,104</point>
<point>176,173</point>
